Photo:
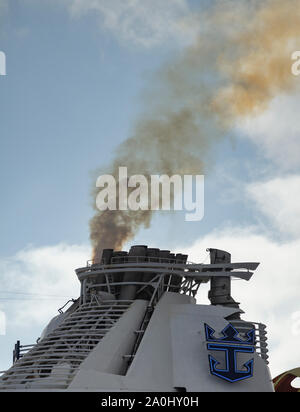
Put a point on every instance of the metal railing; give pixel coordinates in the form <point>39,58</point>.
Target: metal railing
<point>200,271</point>
<point>20,350</point>
<point>138,259</point>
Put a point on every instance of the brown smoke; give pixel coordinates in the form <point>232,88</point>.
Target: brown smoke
<point>238,64</point>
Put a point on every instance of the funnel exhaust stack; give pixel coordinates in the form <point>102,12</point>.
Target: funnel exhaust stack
<point>220,292</point>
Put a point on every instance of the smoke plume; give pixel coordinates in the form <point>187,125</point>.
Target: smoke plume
<point>239,62</point>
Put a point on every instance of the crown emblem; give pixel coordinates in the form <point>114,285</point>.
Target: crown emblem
<point>230,335</point>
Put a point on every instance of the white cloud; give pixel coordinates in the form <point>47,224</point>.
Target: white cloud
<point>143,22</point>
<point>276,132</point>
<point>47,275</point>
<point>279,199</point>
<point>272,296</point>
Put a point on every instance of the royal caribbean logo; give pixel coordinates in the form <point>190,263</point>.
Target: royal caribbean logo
<point>231,345</point>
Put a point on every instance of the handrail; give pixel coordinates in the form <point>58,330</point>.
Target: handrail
<point>20,350</point>
<point>137,259</point>
<point>166,262</point>
<point>245,275</point>
<point>60,310</point>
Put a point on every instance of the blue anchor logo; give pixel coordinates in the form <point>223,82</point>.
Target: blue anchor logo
<point>231,345</point>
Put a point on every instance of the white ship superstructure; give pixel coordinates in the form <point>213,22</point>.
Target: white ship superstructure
<point>137,327</point>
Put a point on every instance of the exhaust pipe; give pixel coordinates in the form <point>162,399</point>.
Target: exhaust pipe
<point>137,254</point>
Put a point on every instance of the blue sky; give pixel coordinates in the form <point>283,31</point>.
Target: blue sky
<point>70,98</point>
<point>72,93</point>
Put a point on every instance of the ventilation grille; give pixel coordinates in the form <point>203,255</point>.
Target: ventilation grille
<point>54,361</point>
